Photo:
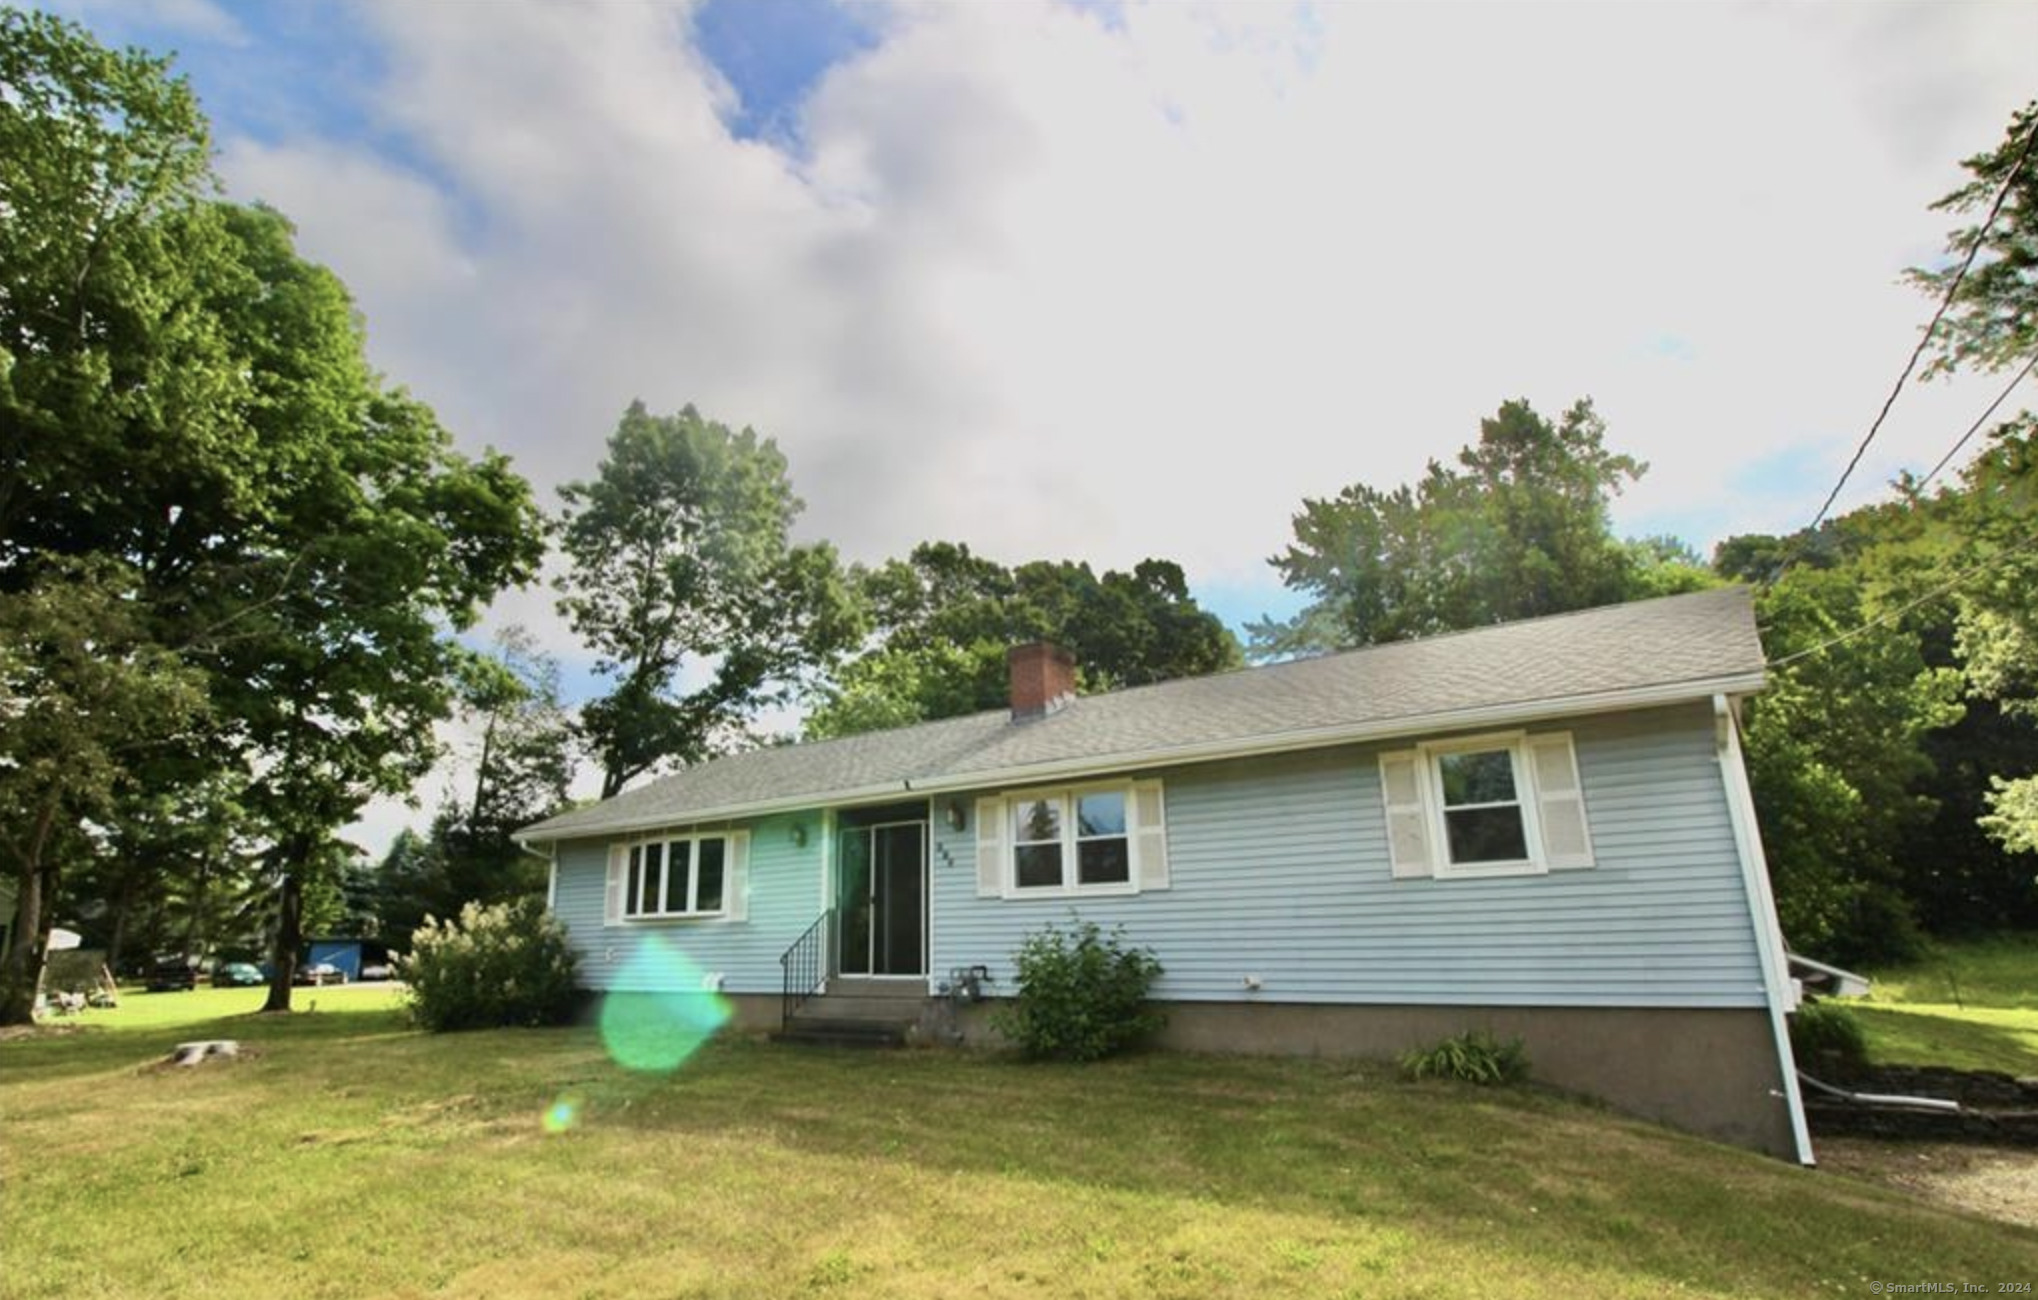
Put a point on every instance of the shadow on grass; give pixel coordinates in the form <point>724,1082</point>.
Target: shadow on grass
<point>68,1050</point>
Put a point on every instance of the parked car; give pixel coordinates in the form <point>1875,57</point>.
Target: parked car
<point>377,971</point>
<point>170,974</point>
<point>319,973</point>
<point>237,975</point>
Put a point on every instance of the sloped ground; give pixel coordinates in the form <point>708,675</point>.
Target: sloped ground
<point>348,1155</point>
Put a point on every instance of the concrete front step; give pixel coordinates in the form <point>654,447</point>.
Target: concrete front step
<point>810,1032</point>
<point>864,986</point>
<point>832,1006</point>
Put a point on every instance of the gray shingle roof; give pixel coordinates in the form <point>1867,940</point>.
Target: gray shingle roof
<point>1618,656</point>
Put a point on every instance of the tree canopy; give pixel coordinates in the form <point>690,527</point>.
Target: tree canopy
<point>1518,527</point>
<point>943,619</point>
<point>678,557</point>
<point>1992,321</point>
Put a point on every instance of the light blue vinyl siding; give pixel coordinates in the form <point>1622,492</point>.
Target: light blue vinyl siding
<point>785,898</point>
<point>1279,870</point>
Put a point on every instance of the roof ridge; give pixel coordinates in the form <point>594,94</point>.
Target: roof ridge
<point>1241,670</point>
<point>1426,639</point>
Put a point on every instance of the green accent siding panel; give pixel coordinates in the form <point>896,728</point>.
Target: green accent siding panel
<point>1280,871</point>
<point>785,898</point>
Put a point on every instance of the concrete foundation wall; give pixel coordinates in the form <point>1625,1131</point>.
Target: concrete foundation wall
<point>754,1012</point>
<point>1708,1071</point>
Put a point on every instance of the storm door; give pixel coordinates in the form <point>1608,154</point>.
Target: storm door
<point>881,899</point>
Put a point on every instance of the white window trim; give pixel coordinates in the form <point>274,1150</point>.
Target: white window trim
<point>1525,799</point>
<point>1070,886</point>
<point>693,879</point>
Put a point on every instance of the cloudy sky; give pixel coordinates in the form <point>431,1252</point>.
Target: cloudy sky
<point>1103,280</point>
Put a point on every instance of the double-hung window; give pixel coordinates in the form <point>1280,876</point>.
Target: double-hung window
<point>1100,839</point>
<point>1479,791</point>
<point>676,877</point>
<point>1497,805</point>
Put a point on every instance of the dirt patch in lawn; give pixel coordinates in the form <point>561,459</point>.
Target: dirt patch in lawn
<point>1997,1182</point>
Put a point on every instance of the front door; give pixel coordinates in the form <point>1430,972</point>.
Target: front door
<point>881,899</point>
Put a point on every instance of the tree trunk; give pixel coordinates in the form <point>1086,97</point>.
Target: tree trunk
<point>123,907</point>
<point>481,771</point>
<point>289,934</point>
<point>22,973</point>
<point>24,964</point>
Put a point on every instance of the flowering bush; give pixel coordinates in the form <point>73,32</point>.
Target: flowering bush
<point>509,964</point>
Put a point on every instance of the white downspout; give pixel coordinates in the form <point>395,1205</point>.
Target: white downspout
<point>551,856</point>
<point>1776,980</point>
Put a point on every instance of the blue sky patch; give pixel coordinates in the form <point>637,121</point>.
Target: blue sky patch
<point>774,52</point>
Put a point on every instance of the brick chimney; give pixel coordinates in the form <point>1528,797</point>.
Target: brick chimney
<point>1043,679</point>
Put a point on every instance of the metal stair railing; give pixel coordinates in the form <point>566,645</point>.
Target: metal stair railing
<point>805,967</point>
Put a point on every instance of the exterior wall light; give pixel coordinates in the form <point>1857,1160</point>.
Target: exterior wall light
<point>953,815</point>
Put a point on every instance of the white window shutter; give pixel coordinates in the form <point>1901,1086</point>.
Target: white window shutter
<point>990,847</point>
<point>1150,835</point>
<point>612,897</point>
<point>736,877</point>
<point>1560,801</point>
<point>1401,782</point>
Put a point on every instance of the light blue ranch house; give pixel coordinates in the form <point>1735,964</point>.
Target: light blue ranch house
<point>1541,829</point>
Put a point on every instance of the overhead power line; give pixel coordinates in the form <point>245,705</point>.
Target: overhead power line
<point>1972,570</point>
<point>1979,420</point>
<point>1932,328</point>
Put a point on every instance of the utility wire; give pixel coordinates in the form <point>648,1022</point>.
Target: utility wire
<point>1980,566</point>
<point>1979,420</point>
<point>1925,339</point>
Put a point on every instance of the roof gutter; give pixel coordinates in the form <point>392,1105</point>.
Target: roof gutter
<point>1279,742</point>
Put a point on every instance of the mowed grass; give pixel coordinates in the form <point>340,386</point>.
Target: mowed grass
<point>139,1009</point>
<point>1971,1005</point>
<point>348,1155</point>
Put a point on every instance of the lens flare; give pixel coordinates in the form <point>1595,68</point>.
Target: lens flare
<point>562,1114</point>
<point>656,1032</point>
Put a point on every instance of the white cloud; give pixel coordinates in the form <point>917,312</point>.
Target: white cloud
<point>1061,286</point>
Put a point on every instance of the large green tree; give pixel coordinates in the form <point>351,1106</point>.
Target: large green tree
<point>1991,326</point>
<point>943,619</point>
<point>375,537</point>
<point>119,393</point>
<point>182,392</point>
<point>679,561</point>
<point>1837,743</point>
<point>1517,527</point>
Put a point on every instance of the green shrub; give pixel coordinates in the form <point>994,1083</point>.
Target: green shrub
<point>1082,994</point>
<point>509,964</point>
<point>1825,1035</point>
<point>1475,1057</point>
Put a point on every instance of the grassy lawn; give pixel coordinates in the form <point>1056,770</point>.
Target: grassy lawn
<point>1971,1005</point>
<point>348,1155</point>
